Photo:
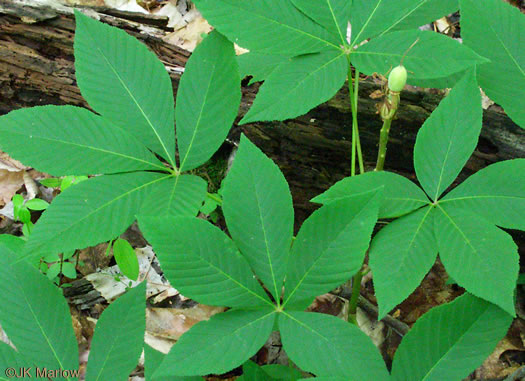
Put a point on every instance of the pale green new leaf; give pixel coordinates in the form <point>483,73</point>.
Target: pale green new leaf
<point>126,259</point>
<point>298,85</point>
<point>91,212</point>
<point>119,337</point>
<point>180,195</point>
<point>450,341</point>
<point>370,18</point>
<point>202,262</point>
<point>269,26</point>
<point>341,349</point>
<point>208,99</point>
<point>333,15</point>
<point>497,193</point>
<point>330,247</point>
<point>496,30</point>
<point>126,83</point>
<point>218,345</point>
<point>11,359</point>
<point>400,195</point>
<point>47,137</point>
<point>479,256</point>
<point>258,65</point>
<point>36,316</point>
<point>385,52</point>
<point>257,205</point>
<point>401,254</point>
<point>448,137</point>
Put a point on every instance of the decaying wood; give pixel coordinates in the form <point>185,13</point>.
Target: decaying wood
<point>36,68</point>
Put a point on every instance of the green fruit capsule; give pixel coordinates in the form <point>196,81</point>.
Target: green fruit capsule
<point>397,78</point>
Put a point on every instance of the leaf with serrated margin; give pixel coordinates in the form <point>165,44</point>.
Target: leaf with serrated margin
<point>401,254</point>
<point>341,349</point>
<point>400,195</point>
<point>280,28</point>
<point>496,30</point>
<point>298,85</point>
<point>218,345</point>
<point>47,137</point>
<point>259,66</point>
<point>370,18</point>
<point>126,83</point>
<point>257,206</point>
<point>114,353</point>
<point>497,193</point>
<point>383,53</point>
<point>330,247</point>
<point>208,100</point>
<point>202,262</point>
<point>479,256</point>
<point>448,137</point>
<point>180,195</point>
<point>36,316</point>
<point>450,341</point>
<point>91,212</point>
<point>333,15</point>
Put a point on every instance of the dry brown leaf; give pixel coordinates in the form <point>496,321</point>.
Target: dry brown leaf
<point>493,367</point>
<point>10,183</point>
<point>191,28</point>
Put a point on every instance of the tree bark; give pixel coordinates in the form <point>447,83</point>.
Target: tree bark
<point>313,151</point>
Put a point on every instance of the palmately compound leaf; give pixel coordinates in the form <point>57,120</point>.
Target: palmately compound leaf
<point>125,83</point>
<point>219,344</point>
<point>91,212</point>
<point>383,53</point>
<point>496,30</point>
<point>180,195</point>
<point>370,18</point>
<point>208,99</point>
<point>333,15</point>
<point>497,193</point>
<point>257,205</point>
<point>401,254</point>
<point>202,262</point>
<point>450,341</point>
<point>36,316</point>
<point>119,337</point>
<point>281,27</point>
<point>330,247</point>
<point>47,137</point>
<point>341,349</point>
<point>479,256</point>
<point>400,195</point>
<point>298,85</point>
<point>448,137</point>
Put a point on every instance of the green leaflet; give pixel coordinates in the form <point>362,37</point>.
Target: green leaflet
<point>283,94</point>
<point>401,254</point>
<point>400,195</point>
<point>448,137</point>
<point>208,99</point>
<point>385,52</point>
<point>258,65</point>
<point>153,359</point>
<point>346,351</point>
<point>52,135</point>
<point>219,344</point>
<point>36,316</point>
<point>125,83</point>
<point>281,27</point>
<point>126,258</point>
<point>84,214</point>
<point>11,359</point>
<point>257,206</point>
<point>450,341</point>
<point>180,195</point>
<point>497,193</point>
<point>478,255</point>
<point>370,18</point>
<point>202,262</point>
<point>496,30</point>
<point>253,372</point>
<point>330,247</point>
<point>333,15</point>
<point>114,352</point>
